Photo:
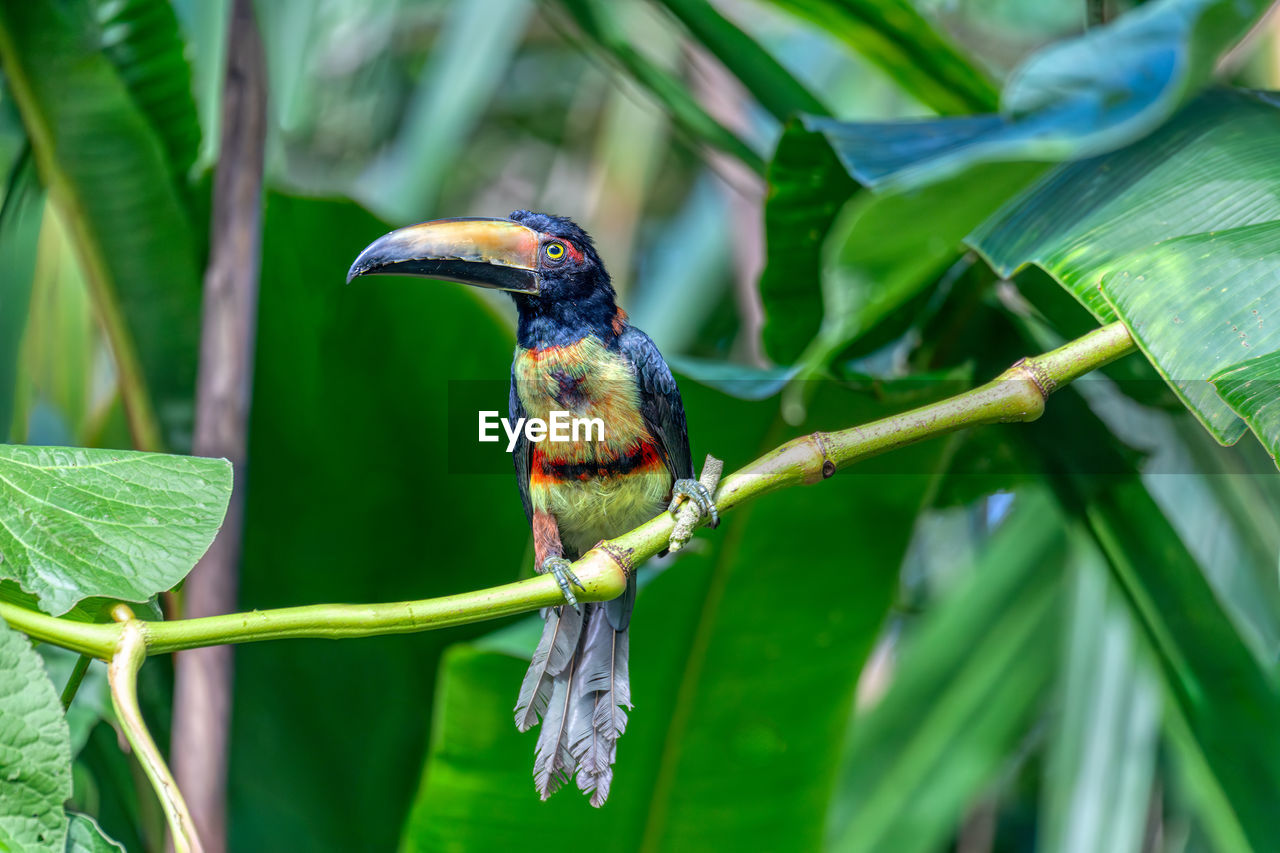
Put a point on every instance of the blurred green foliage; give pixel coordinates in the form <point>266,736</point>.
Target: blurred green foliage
<point>1060,636</point>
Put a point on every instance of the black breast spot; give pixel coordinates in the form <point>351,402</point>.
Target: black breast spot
<point>569,393</point>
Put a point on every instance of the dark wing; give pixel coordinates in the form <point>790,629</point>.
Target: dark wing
<point>660,403</point>
<point>523,453</point>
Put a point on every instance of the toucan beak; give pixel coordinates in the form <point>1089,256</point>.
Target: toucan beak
<point>494,253</point>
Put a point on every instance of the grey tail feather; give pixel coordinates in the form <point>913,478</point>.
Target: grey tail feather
<point>603,689</point>
<point>555,651</point>
<point>553,762</point>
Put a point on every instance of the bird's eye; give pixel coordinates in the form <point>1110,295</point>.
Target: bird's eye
<point>555,251</point>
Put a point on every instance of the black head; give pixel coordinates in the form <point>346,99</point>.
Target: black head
<point>576,296</point>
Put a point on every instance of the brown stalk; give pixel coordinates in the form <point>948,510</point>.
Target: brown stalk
<point>203,677</point>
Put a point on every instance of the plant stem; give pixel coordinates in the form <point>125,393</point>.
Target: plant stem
<point>122,673</point>
<point>98,641</point>
<point>73,683</point>
<point>1017,395</point>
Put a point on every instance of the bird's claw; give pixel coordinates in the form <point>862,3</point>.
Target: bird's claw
<point>690,489</point>
<point>560,568</point>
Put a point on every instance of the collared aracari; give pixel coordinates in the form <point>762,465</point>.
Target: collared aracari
<point>576,353</point>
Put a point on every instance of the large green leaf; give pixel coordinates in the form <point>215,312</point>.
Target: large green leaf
<point>108,174</point>
<point>1220,695</point>
<point>35,751</point>
<point>742,684</point>
<point>1220,702</point>
<point>1176,235</point>
<point>964,689</point>
<point>1227,515</point>
<point>896,37</point>
<point>889,247</point>
<point>142,40</point>
<point>878,253</point>
<point>763,76</point>
<point>807,190</point>
<point>76,523</point>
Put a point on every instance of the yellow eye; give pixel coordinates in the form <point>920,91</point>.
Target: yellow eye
<point>555,251</point>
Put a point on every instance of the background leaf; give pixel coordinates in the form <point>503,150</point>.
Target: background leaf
<point>762,75</point>
<point>1076,98</point>
<point>108,174</point>
<point>85,836</point>
<point>477,43</point>
<point>79,523</point>
<point>92,701</point>
<point>20,216</point>
<point>599,22</point>
<point>807,190</point>
<point>897,38</point>
<point>142,40</point>
<point>1102,744</point>
<point>963,691</point>
<point>1217,692</point>
<point>887,248</point>
<point>1140,69</point>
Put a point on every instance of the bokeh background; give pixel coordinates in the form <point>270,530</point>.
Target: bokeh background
<point>927,652</point>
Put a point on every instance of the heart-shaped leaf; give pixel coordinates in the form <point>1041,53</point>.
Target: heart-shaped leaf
<point>76,523</point>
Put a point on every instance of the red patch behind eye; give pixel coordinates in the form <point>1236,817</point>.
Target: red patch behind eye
<point>574,254</point>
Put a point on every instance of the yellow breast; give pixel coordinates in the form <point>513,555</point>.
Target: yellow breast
<point>585,380</point>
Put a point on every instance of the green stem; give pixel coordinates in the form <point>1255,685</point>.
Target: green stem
<point>1018,394</point>
<point>73,683</point>
<point>97,641</point>
<point>122,673</point>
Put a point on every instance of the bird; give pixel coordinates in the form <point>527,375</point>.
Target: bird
<point>576,353</point>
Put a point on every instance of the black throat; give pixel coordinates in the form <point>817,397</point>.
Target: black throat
<point>548,322</point>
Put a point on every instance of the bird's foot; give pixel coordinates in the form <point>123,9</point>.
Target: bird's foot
<point>692,490</point>
<point>560,568</point>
